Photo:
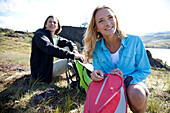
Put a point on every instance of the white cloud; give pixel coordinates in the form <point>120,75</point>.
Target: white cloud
<point>13,5</point>
<point>144,16</point>
<point>7,22</point>
<point>135,17</point>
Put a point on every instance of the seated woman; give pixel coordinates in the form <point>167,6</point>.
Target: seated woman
<point>44,49</point>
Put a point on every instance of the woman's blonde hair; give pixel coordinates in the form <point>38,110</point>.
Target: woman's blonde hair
<point>92,36</point>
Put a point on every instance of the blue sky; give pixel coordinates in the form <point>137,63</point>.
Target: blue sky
<point>135,16</point>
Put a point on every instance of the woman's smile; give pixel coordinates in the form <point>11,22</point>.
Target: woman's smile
<point>108,29</point>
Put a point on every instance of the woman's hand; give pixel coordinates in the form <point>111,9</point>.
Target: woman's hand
<point>74,51</point>
<point>97,75</point>
<point>116,71</point>
<point>79,56</point>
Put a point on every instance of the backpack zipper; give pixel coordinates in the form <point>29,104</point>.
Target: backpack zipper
<point>101,90</point>
<point>110,98</point>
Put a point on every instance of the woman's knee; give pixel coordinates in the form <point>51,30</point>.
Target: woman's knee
<point>59,67</point>
<point>136,95</point>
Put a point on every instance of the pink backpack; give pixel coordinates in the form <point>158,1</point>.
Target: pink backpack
<point>106,96</point>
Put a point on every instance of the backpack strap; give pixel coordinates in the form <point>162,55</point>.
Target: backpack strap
<point>68,82</point>
<point>73,84</point>
<point>83,76</point>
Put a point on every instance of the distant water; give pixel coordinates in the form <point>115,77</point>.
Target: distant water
<point>163,54</point>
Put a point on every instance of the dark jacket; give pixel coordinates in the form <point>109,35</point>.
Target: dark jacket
<point>43,51</point>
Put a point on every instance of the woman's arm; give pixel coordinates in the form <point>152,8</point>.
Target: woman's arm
<point>43,43</point>
<point>65,42</point>
<point>141,63</point>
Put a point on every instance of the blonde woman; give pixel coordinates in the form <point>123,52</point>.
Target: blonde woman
<point>113,51</point>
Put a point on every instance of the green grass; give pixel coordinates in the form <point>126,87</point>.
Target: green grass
<point>159,86</point>
<point>15,50</point>
<point>20,92</point>
<point>159,44</point>
<point>15,94</point>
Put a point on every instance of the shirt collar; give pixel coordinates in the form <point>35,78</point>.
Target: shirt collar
<point>123,43</point>
<point>102,44</point>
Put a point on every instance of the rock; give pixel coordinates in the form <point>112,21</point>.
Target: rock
<point>76,34</point>
<point>156,63</point>
<point>49,96</point>
<point>4,51</point>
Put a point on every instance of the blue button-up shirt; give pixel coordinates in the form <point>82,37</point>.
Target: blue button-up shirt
<point>133,59</point>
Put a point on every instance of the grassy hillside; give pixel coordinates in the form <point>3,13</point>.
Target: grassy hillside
<point>15,47</point>
<point>157,40</point>
<point>17,88</point>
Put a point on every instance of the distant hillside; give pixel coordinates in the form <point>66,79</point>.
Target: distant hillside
<point>157,40</point>
<point>16,34</point>
<point>76,34</point>
<point>14,42</point>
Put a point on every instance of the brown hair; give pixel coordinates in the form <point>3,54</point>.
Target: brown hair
<point>59,26</point>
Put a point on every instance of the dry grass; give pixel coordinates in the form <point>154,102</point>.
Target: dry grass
<point>16,87</point>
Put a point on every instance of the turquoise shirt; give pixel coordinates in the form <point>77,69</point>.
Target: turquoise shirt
<point>133,59</point>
